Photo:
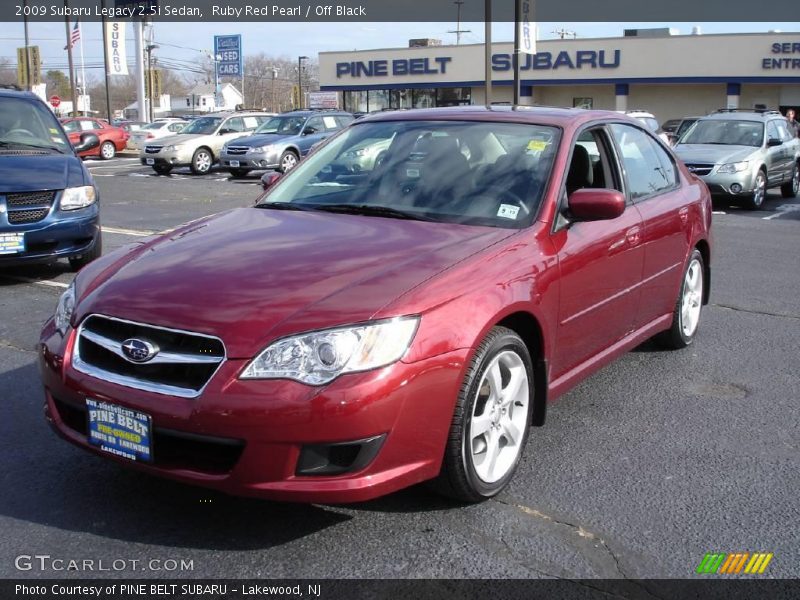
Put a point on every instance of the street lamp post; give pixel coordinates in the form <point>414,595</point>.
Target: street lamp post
<point>274,77</point>
<point>300,60</point>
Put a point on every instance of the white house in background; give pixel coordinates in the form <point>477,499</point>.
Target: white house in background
<point>160,108</point>
<point>201,99</point>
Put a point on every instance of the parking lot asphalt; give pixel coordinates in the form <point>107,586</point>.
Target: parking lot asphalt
<point>641,470</point>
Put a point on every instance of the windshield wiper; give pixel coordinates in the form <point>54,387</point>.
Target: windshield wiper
<point>282,206</point>
<point>371,211</point>
<point>6,143</point>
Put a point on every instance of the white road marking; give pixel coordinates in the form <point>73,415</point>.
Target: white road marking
<point>44,282</point>
<point>782,210</point>
<point>718,212</point>
<point>133,232</point>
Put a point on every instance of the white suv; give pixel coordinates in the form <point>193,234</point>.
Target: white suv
<point>649,120</point>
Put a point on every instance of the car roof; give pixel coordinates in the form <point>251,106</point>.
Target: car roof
<point>11,91</point>
<point>542,115</point>
<point>313,111</point>
<point>238,113</point>
<point>740,115</point>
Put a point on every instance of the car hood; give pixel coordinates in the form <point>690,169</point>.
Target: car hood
<point>40,172</point>
<point>713,153</point>
<point>252,275</point>
<point>262,139</point>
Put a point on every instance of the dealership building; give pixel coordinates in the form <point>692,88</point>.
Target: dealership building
<point>669,75</point>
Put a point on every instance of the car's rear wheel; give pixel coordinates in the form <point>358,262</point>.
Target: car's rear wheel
<point>791,187</point>
<point>201,161</point>
<point>686,315</point>
<point>239,172</point>
<point>288,161</point>
<point>107,150</point>
<point>76,263</point>
<point>491,421</point>
<point>759,191</point>
<point>162,169</point>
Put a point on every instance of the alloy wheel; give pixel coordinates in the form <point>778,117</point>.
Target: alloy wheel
<point>202,162</point>
<point>760,189</point>
<point>289,161</point>
<point>692,298</point>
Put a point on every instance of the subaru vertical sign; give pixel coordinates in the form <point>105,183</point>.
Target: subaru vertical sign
<point>228,55</point>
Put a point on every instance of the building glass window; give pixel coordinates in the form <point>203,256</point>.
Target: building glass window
<point>378,100</point>
<point>355,101</point>
<point>423,98</point>
<point>460,96</point>
<point>583,103</point>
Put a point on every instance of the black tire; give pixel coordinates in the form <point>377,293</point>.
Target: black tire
<point>675,337</point>
<point>458,478</point>
<point>107,150</point>
<point>239,172</point>
<point>791,188</point>
<point>76,263</point>
<point>162,169</point>
<point>756,200</point>
<point>202,161</point>
<point>289,157</point>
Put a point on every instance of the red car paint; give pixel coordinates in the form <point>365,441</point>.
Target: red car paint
<point>102,129</point>
<point>582,295</point>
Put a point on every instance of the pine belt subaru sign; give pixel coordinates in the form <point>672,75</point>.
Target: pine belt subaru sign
<point>228,53</point>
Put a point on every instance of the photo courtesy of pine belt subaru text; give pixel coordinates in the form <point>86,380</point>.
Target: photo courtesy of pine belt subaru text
<point>361,330</point>
<point>49,205</point>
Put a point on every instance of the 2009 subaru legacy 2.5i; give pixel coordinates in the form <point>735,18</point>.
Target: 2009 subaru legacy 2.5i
<point>356,333</point>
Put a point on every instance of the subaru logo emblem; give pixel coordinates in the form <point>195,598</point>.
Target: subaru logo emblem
<point>138,351</point>
<point>692,169</point>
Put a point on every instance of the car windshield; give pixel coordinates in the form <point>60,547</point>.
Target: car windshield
<point>475,173</point>
<point>684,126</point>
<point>284,125</point>
<point>729,133</point>
<point>157,125</point>
<point>29,123</point>
<point>203,125</point>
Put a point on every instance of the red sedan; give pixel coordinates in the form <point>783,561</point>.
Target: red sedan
<point>112,139</point>
<point>354,334</point>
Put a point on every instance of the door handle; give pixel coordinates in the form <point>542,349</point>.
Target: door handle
<point>683,214</point>
<point>633,235</point>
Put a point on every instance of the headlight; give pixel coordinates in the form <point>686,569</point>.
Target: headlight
<point>737,167</point>
<point>319,357</point>
<point>64,309</point>
<point>260,149</point>
<point>78,197</point>
<point>173,148</point>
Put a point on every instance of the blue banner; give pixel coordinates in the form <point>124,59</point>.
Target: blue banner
<point>228,55</point>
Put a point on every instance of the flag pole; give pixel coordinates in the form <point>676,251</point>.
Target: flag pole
<point>69,58</point>
<point>516,57</point>
<point>105,62</point>
<point>83,68</point>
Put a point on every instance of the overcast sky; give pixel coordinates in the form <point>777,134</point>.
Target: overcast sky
<point>185,41</point>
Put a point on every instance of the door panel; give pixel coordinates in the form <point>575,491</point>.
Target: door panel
<point>775,156</point>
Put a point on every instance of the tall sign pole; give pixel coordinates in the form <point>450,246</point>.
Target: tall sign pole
<point>69,59</point>
<point>29,82</point>
<point>138,29</point>
<point>488,50</point>
<point>516,58</point>
<point>105,62</point>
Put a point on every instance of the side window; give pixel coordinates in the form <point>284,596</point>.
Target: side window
<point>331,124</point>
<point>783,131</point>
<point>176,127</point>
<point>648,169</point>
<point>317,123</point>
<point>772,131</point>
<point>344,120</point>
<point>86,126</point>
<point>592,165</point>
<point>234,124</point>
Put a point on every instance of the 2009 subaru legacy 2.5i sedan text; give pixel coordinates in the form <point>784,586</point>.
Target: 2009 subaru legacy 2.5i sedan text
<point>356,333</point>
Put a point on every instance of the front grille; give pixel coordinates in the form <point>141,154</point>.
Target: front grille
<point>29,207</point>
<point>153,149</point>
<point>30,199</point>
<point>171,449</point>
<point>182,366</point>
<point>237,150</point>
<point>19,217</point>
<point>700,169</point>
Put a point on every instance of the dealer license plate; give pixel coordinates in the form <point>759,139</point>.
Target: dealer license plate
<point>151,161</point>
<point>12,243</point>
<point>120,431</point>
<point>234,163</point>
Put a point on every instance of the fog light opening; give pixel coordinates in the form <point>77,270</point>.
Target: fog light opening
<point>736,188</point>
<point>338,458</point>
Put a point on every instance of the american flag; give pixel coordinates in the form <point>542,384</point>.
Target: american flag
<point>74,36</point>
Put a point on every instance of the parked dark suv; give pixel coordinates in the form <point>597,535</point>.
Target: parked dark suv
<point>282,141</point>
<point>48,200</point>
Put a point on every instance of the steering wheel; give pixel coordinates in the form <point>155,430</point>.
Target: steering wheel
<point>495,195</point>
<point>20,131</point>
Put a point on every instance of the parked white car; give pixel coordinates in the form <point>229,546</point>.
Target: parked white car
<point>648,120</point>
<point>152,131</point>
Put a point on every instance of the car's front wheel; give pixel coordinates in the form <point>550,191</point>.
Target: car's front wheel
<point>491,421</point>
<point>108,151</point>
<point>201,161</point>
<point>686,315</point>
<point>288,161</point>
<point>759,191</point>
<point>792,187</point>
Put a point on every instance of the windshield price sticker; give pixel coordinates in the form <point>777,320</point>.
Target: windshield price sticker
<point>507,211</point>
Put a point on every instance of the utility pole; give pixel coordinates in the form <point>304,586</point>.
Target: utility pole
<point>29,82</point>
<point>274,77</point>
<point>69,60</point>
<point>458,31</point>
<point>488,49</point>
<point>138,31</point>
<point>150,79</point>
<point>105,62</point>
<point>300,60</point>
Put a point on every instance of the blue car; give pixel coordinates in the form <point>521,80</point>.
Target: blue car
<point>282,141</point>
<point>49,204</point>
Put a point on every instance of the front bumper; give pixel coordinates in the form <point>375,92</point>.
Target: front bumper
<point>729,184</point>
<point>246,437</point>
<point>251,160</point>
<point>55,237</point>
<point>175,158</point>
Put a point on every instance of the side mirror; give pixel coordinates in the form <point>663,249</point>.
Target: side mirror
<point>225,131</point>
<point>270,179</point>
<point>309,131</point>
<point>771,142</point>
<point>89,141</point>
<point>589,204</point>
